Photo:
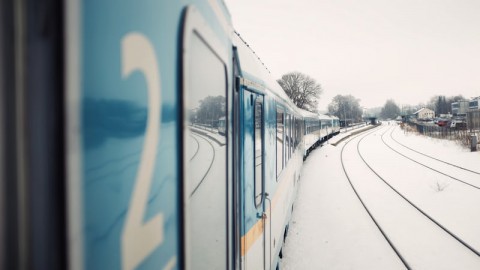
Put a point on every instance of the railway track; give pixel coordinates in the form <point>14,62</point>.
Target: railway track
<point>470,183</point>
<point>384,234</point>
<point>371,213</point>
<point>431,157</point>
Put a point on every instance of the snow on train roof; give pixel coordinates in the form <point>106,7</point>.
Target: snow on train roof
<point>327,116</point>
<point>255,70</point>
<point>324,117</point>
<point>305,113</point>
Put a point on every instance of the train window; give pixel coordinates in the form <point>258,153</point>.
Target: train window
<point>258,187</point>
<point>280,127</point>
<point>205,156</point>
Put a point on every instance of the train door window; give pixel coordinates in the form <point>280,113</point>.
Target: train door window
<point>258,188</point>
<point>280,127</point>
<point>205,148</point>
<point>287,138</point>
<point>294,130</point>
<point>299,127</point>
<point>290,140</point>
<point>297,132</point>
<point>292,134</point>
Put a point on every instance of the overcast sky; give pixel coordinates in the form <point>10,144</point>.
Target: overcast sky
<point>407,50</point>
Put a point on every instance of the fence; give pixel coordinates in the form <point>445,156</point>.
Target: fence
<point>473,120</point>
<point>463,135</point>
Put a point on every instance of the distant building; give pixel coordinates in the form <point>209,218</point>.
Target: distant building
<point>424,113</point>
<point>474,104</point>
<point>460,107</point>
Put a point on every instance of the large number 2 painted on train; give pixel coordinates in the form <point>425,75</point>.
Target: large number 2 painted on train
<point>138,239</point>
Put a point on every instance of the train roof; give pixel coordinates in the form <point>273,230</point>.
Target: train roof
<point>324,117</point>
<point>253,69</point>
<point>305,113</point>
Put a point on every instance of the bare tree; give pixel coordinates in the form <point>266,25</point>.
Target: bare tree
<point>346,108</point>
<point>302,90</point>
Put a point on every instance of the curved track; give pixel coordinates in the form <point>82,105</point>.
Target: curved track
<point>413,204</point>
<point>434,158</point>
<point>365,206</point>
<point>196,148</point>
<point>421,211</point>
<point>212,149</point>
<point>476,186</point>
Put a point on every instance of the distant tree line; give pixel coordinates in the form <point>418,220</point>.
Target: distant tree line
<point>305,93</point>
<point>439,104</point>
<point>443,104</point>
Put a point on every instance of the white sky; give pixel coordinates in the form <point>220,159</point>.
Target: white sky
<point>407,50</point>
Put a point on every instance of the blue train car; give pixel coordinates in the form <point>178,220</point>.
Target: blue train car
<point>330,126</point>
<point>326,124</point>
<point>335,126</point>
<point>270,161</point>
<point>312,132</point>
<point>109,89</point>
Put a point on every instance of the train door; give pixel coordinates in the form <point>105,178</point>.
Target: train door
<point>205,137</point>
<point>256,224</point>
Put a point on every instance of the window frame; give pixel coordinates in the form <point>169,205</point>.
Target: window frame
<point>279,169</point>
<point>259,100</point>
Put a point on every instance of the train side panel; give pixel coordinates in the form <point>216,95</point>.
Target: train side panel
<point>129,146</point>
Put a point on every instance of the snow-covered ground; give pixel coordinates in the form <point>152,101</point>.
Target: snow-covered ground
<point>330,229</point>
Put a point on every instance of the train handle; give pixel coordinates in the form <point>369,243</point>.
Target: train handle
<point>270,230</point>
